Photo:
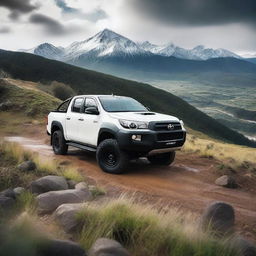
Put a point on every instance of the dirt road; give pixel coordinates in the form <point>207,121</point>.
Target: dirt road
<point>188,183</point>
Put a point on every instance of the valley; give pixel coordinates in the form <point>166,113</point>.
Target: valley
<point>233,106</point>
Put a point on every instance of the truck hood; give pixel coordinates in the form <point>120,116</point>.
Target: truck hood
<point>143,116</point>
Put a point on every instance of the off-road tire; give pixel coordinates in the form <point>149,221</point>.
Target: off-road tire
<point>162,159</point>
<point>59,144</point>
<point>110,157</point>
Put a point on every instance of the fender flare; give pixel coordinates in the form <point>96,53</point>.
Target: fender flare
<point>108,128</point>
<point>56,124</point>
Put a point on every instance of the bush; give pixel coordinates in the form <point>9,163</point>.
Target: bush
<point>61,91</point>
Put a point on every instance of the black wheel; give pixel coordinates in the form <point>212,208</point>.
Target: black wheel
<point>162,159</point>
<point>110,157</point>
<point>59,145</point>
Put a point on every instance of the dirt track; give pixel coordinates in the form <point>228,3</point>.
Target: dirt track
<point>188,183</point>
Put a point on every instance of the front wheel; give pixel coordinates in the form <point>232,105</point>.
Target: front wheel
<point>110,157</point>
<point>162,159</point>
<point>59,145</point>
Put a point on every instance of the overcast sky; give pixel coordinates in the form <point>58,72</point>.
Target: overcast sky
<point>229,24</point>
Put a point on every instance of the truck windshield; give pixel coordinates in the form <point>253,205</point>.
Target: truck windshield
<point>121,104</point>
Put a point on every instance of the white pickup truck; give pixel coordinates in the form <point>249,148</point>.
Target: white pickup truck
<point>117,128</point>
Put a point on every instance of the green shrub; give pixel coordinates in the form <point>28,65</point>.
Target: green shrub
<point>61,91</point>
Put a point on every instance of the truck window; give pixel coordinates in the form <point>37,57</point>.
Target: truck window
<point>77,104</point>
<point>89,102</point>
<point>63,107</point>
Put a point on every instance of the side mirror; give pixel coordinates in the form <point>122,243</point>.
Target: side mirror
<point>91,111</point>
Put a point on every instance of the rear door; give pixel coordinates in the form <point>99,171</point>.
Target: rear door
<point>89,127</point>
<point>73,119</point>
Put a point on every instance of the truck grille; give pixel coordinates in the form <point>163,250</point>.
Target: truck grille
<point>170,136</point>
<point>164,126</point>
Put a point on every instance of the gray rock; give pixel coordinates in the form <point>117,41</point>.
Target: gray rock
<point>19,190</point>
<point>218,217</point>
<point>48,183</point>
<point>66,216</point>
<point>8,193</point>
<point>4,106</point>
<point>6,203</point>
<point>81,186</point>
<point>27,166</point>
<point>71,184</point>
<point>60,248</point>
<point>107,247</point>
<point>244,247</point>
<point>50,201</point>
<point>226,181</point>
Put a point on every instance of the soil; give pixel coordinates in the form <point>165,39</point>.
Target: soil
<point>188,183</point>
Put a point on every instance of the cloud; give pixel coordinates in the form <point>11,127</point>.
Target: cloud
<point>65,8</point>
<point>4,30</point>
<point>51,25</point>
<point>93,16</point>
<point>197,12</point>
<point>18,7</point>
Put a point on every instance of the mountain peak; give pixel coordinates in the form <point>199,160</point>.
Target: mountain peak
<point>108,34</point>
<point>199,47</point>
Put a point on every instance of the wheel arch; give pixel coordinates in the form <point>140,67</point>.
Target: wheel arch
<point>107,132</point>
<point>56,125</point>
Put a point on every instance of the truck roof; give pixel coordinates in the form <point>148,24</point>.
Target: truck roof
<point>99,95</point>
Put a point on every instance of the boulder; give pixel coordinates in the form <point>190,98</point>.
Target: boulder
<point>60,248</point>
<point>81,186</point>
<point>27,166</point>
<point>6,203</point>
<point>71,184</point>
<point>4,106</point>
<point>218,217</point>
<point>66,216</point>
<point>244,247</point>
<point>48,183</point>
<point>50,201</point>
<point>107,247</point>
<point>226,181</point>
<point>8,193</point>
<point>18,191</point>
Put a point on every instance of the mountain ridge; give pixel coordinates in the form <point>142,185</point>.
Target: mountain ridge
<point>110,43</point>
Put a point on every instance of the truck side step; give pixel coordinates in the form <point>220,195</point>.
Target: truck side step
<point>84,147</point>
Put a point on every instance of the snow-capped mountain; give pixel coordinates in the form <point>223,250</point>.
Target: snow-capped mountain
<point>107,43</point>
<point>48,51</point>
<point>197,53</point>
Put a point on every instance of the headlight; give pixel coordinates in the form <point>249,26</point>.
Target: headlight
<point>133,124</point>
<point>182,124</point>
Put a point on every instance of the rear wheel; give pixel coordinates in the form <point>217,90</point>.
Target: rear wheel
<point>110,157</point>
<point>59,145</point>
<point>162,159</point>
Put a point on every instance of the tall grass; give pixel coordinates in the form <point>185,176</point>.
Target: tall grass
<point>145,231</point>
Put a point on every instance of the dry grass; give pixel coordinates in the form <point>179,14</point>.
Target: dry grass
<point>14,154</point>
<point>231,156</point>
<point>143,230</point>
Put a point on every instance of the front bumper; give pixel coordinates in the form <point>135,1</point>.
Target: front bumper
<point>150,142</point>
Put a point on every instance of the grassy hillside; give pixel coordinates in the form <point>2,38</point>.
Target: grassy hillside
<point>20,97</point>
<point>34,68</point>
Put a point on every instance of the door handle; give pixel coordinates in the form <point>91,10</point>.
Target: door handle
<point>68,118</point>
<point>81,119</point>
